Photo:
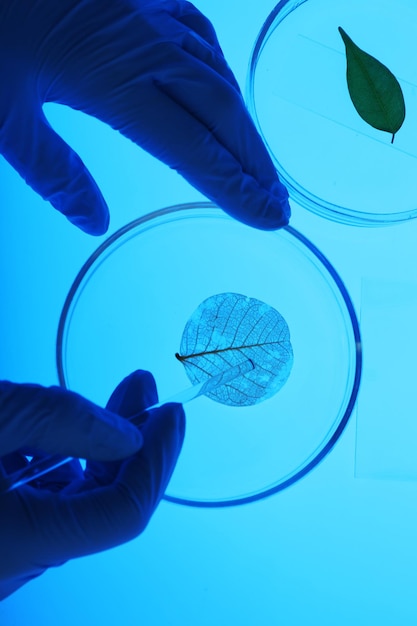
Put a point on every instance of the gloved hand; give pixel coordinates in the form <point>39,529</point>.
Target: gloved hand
<point>70,513</point>
<point>152,69</point>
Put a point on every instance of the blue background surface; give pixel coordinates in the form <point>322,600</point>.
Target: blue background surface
<point>336,548</point>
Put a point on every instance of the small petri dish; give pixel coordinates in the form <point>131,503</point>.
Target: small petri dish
<point>127,310</point>
<point>333,162</point>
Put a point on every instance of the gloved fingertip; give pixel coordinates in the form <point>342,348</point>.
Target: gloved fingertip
<point>93,219</point>
<point>168,418</point>
<point>179,416</point>
<point>274,210</point>
<point>136,392</point>
<point>60,175</point>
<point>172,415</point>
<point>261,209</point>
<point>278,217</point>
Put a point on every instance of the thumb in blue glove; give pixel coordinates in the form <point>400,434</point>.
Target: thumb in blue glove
<point>112,502</point>
<point>154,71</point>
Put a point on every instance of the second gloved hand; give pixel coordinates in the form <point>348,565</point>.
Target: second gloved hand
<point>70,513</point>
<point>153,70</point>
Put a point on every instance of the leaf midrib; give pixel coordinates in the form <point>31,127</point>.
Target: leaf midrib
<point>218,350</point>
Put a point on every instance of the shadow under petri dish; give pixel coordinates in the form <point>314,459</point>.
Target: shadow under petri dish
<point>127,310</point>
<point>333,162</point>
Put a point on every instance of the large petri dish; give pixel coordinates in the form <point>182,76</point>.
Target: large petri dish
<point>127,310</point>
<point>333,162</point>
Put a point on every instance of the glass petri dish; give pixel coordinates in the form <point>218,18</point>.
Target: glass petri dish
<point>334,163</point>
<point>127,310</point>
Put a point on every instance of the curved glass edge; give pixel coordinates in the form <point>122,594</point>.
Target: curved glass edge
<point>307,200</point>
<point>343,422</point>
<point>210,207</point>
<point>82,274</point>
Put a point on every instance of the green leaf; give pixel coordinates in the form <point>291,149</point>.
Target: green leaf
<point>228,329</point>
<point>375,92</point>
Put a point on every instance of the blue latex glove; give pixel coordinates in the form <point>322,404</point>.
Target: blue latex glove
<point>70,513</point>
<point>152,69</point>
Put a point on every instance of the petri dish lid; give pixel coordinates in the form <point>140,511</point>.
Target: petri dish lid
<point>127,310</point>
<point>333,162</point>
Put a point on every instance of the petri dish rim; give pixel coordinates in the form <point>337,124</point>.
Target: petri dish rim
<point>303,197</point>
<point>185,211</point>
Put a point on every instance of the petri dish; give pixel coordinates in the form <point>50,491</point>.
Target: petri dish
<point>127,310</point>
<point>333,162</point>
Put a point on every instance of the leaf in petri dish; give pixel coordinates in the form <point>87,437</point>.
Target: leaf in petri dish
<point>227,329</point>
<point>375,92</point>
